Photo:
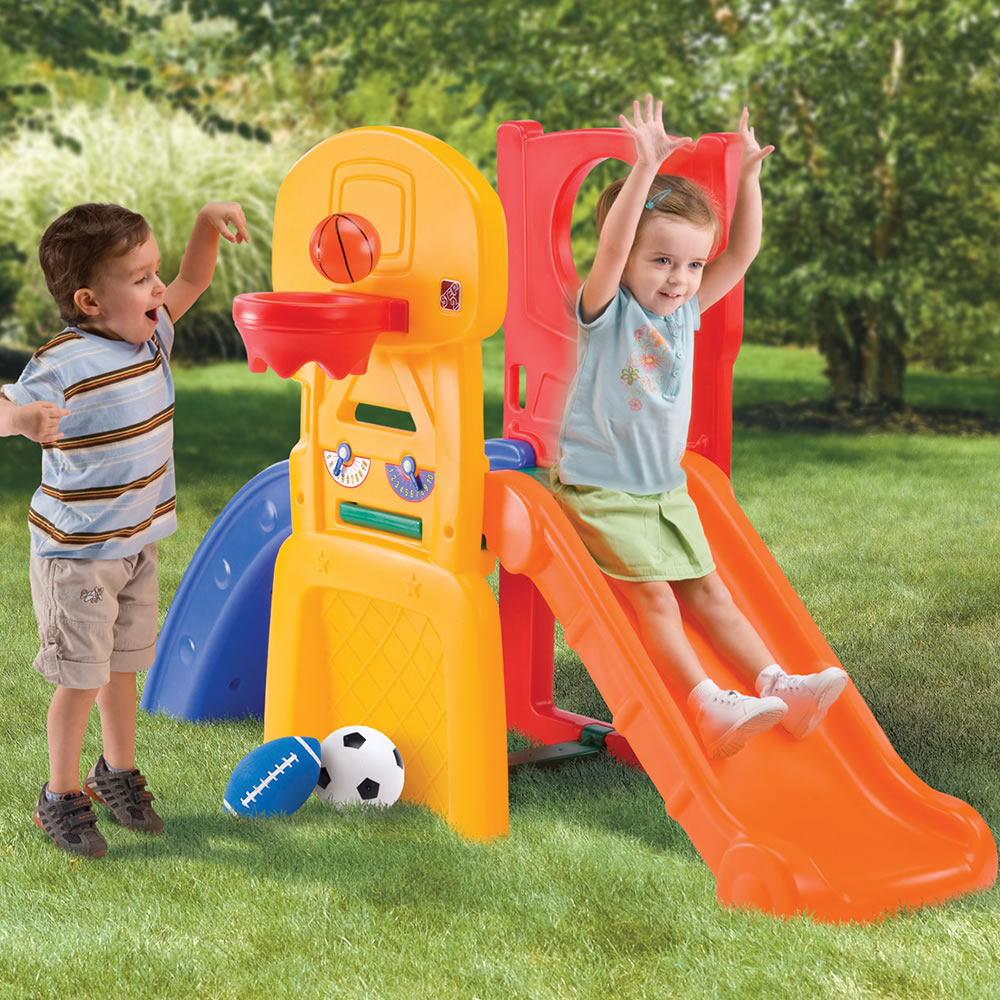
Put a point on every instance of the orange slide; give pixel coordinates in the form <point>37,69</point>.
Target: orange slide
<point>834,825</point>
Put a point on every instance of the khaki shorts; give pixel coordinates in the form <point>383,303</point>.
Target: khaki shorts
<point>95,616</point>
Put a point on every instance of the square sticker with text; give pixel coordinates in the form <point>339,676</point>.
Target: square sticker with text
<point>451,294</point>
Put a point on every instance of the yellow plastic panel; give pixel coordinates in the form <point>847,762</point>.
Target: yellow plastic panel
<point>435,213</point>
<point>375,636</point>
<point>389,199</point>
<point>368,627</point>
<point>441,390</point>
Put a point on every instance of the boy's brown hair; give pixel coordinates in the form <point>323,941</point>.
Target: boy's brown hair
<point>75,246</point>
<point>686,200</point>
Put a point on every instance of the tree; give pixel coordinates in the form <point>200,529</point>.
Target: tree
<point>78,33</point>
<point>882,202</point>
<point>569,64</point>
<point>90,38</point>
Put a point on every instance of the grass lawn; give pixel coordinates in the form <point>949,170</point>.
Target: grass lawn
<point>892,541</point>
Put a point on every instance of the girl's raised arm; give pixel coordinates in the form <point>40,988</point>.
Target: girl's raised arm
<point>744,233</point>
<point>614,243</point>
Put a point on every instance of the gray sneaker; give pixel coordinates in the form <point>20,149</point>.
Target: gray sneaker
<point>70,824</point>
<point>124,793</point>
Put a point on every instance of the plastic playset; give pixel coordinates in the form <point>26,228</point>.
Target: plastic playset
<point>349,584</point>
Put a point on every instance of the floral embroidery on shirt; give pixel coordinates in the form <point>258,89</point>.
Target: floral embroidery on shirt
<point>649,366</point>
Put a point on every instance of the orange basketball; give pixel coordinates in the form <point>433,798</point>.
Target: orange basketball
<point>344,247</point>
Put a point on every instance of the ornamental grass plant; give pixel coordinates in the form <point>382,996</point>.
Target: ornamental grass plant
<point>161,165</point>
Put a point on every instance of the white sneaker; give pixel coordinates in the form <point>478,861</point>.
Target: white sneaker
<point>727,719</point>
<point>807,696</point>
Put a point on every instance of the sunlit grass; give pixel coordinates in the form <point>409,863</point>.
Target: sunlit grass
<point>764,374</point>
<point>888,538</point>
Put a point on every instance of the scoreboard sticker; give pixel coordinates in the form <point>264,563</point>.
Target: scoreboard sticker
<point>352,474</point>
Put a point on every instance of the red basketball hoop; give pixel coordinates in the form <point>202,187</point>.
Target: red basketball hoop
<point>337,330</point>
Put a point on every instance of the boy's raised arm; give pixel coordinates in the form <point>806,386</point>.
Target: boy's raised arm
<point>198,263</point>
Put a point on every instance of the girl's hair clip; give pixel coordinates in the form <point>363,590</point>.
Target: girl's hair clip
<point>656,197</point>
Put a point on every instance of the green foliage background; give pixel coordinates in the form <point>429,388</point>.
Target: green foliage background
<point>881,203</point>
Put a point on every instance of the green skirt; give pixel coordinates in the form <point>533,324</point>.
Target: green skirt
<point>642,538</point>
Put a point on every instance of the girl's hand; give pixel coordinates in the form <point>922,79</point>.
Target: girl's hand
<point>753,155</point>
<point>652,144</point>
<point>223,214</point>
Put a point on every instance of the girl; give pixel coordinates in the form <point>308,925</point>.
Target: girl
<point>618,474</point>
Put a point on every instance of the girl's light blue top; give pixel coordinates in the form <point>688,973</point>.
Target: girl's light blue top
<point>626,420</point>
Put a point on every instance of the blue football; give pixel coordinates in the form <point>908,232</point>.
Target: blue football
<point>274,779</point>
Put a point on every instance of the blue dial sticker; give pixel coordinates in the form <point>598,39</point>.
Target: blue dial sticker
<point>409,482</point>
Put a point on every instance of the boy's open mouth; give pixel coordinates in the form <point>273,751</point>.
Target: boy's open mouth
<point>151,314</point>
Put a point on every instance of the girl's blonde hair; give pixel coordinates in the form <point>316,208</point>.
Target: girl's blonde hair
<point>686,200</point>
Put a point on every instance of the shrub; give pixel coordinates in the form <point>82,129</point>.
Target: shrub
<point>157,163</point>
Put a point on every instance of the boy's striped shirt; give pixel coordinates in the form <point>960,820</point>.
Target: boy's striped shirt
<point>108,484</point>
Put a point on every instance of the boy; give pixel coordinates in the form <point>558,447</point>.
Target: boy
<point>99,398</point>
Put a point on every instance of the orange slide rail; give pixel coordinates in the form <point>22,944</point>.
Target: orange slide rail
<point>834,825</point>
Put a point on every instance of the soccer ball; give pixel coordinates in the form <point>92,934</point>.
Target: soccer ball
<point>359,765</point>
